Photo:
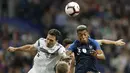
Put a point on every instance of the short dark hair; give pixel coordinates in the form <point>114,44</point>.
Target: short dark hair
<point>67,41</point>
<point>81,28</point>
<point>62,67</point>
<point>55,32</point>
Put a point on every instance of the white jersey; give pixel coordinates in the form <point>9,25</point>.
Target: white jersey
<point>46,58</point>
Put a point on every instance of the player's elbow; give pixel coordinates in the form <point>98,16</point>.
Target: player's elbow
<point>28,48</point>
<point>101,57</point>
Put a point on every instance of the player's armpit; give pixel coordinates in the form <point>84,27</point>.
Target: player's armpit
<point>100,54</point>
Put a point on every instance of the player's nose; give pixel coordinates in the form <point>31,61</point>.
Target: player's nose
<point>83,36</point>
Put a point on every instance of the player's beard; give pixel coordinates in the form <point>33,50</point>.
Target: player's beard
<point>83,40</point>
<point>50,45</point>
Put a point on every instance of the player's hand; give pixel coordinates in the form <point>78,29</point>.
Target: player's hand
<point>93,52</point>
<point>120,42</point>
<point>67,58</point>
<point>11,49</point>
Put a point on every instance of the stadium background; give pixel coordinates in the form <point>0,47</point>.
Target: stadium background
<point>24,21</point>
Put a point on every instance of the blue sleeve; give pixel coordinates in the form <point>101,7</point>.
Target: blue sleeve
<point>72,47</point>
<point>96,44</point>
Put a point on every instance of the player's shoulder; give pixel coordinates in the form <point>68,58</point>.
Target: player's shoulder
<point>76,42</point>
<point>59,45</point>
<point>41,39</point>
<point>92,41</point>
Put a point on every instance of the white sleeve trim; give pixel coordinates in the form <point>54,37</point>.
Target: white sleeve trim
<point>37,44</point>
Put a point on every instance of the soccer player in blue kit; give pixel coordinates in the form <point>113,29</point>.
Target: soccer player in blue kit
<point>86,50</point>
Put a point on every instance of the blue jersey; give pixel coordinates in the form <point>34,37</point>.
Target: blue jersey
<point>84,60</point>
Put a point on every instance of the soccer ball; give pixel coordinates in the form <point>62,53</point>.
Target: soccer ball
<point>72,9</point>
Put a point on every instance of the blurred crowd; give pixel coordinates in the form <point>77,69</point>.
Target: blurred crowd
<point>106,19</point>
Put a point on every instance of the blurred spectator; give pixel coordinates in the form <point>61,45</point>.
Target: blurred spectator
<point>119,62</point>
<point>5,32</point>
<point>1,62</point>
<point>15,39</point>
<point>61,19</point>
<point>27,36</point>
<point>127,67</point>
<point>4,7</point>
<point>71,23</point>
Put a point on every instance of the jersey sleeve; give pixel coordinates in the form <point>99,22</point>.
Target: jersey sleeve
<point>62,51</point>
<point>99,41</point>
<point>96,44</point>
<point>72,47</point>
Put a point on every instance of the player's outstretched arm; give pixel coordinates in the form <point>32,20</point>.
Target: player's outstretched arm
<point>118,42</point>
<point>25,48</point>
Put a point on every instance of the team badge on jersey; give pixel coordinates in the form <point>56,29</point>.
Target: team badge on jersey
<point>90,46</point>
<point>84,50</point>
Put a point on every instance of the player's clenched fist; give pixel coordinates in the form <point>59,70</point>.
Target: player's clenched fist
<point>93,53</point>
<point>11,49</point>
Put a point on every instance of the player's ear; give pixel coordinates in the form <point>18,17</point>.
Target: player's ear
<point>58,38</point>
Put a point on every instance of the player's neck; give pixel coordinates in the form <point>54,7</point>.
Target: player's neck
<point>85,42</point>
<point>51,45</point>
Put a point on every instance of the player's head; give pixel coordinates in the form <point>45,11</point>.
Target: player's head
<point>82,33</point>
<point>62,67</point>
<point>67,42</point>
<point>52,37</point>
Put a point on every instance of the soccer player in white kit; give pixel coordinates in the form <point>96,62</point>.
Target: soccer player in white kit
<point>49,52</point>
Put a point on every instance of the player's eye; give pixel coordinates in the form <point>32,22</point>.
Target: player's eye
<point>80,34</point>
<point>51,40</point>
<point>85,34</point>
